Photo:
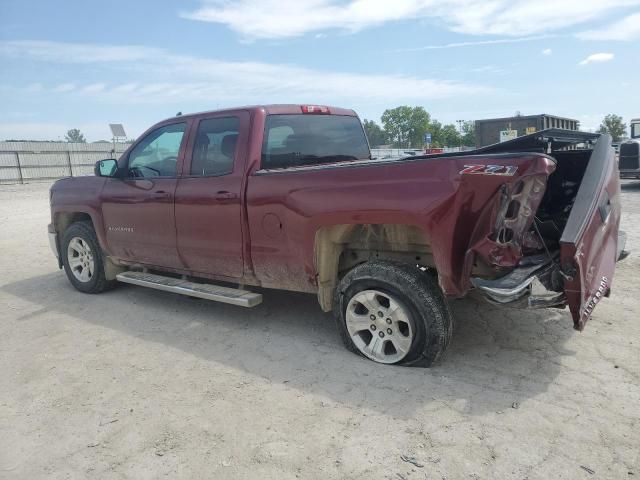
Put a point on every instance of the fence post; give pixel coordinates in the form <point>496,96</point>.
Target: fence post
<point>19,168</point>
<point>69,163</point>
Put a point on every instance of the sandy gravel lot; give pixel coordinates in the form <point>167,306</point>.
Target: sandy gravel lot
<point>140,384</point>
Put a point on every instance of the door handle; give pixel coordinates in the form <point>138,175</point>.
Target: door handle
<point>605,207</point>
<point>222,196</point>
<point>161,194</point>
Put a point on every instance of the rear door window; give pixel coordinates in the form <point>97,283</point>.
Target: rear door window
<point>298,140</point>
<point>215,146</point>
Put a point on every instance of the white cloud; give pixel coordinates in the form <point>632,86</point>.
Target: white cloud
<point>223,81</point>
<point>290,18</point>
<point>94,88</point>
<point>597,58</point>
<point>547,51</point>
<point>475,43</point>
<point>64,87</point>
<point>125,88</point>
<point>34,87</point>
<point>74,52</point>
<point>626,29</point>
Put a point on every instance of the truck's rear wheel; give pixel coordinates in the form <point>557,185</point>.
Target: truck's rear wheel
<point>392,313</point>
<point>82,259</point>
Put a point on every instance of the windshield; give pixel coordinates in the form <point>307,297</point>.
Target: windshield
<point>635,130</point>
<point>296,140</point>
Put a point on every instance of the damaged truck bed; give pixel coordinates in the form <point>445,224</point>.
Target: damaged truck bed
<point>559,228</point>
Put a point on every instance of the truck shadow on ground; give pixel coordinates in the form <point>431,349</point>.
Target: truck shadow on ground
<point>497,356</point>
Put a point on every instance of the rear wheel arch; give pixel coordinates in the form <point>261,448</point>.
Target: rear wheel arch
<point>340,248</point>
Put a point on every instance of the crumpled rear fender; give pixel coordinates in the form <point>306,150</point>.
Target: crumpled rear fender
<point>484,222</point>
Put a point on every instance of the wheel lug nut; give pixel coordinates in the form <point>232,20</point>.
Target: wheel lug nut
<point>389,331</point>
<point>372,317</point>
<point>380,314</point>
<point>373,327</point>
<point>381,334</point>
<point>389,321</point>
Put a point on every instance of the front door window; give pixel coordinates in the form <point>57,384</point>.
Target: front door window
<point>156,155</point>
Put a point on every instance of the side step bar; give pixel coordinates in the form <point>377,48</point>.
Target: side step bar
<point>234,296</point>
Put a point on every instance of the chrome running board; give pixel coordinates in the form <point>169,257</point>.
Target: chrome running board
<point>234,296</point>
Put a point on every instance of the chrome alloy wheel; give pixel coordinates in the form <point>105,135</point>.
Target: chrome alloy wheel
<point>80,259</point>
<point>379,326</point>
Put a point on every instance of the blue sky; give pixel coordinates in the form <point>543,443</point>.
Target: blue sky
<point>84,64</point>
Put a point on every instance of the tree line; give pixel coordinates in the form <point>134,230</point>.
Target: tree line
<point>405,127</point>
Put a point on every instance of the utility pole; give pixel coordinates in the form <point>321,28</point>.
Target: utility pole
<point>460,123</point>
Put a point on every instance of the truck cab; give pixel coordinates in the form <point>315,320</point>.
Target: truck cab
<point>629,162</point>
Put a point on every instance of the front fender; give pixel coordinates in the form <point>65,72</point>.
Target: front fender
<point>76,198</point>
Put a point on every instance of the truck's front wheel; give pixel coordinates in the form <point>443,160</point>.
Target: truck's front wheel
<point>82,259</point>
<point>392,313</point>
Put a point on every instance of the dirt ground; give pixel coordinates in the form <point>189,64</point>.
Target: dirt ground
<point>141,384</point>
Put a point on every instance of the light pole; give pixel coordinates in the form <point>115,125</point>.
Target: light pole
<point>460,123</point>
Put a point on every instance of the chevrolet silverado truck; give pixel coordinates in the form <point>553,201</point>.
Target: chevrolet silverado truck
<point>288,197</point>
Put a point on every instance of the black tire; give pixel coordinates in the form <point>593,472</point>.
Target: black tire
<point>416,291</point>
<point>98,282</point>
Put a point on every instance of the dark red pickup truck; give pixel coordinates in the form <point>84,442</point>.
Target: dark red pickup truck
<point>288,197</point>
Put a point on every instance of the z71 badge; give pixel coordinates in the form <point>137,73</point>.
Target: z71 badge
<point>505,170</point>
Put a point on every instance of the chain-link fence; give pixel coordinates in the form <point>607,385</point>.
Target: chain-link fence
<point>394,153</point>
<point>24,162</point>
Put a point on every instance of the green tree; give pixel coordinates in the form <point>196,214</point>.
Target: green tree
<point>614,126</point>
<point>75,135</point>
<point>435,129</point>
<point>375,133</point>
<point>405,126</point>
<point>449,136</point>
<point>468,136</point>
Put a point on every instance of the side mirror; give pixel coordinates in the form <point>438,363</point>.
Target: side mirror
<point>106,168</point>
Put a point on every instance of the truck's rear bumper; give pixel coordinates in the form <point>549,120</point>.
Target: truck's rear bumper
<point>529,286</point>
<point>525,287</point>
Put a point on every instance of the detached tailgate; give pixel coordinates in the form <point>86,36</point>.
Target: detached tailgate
<point>589,243</point>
